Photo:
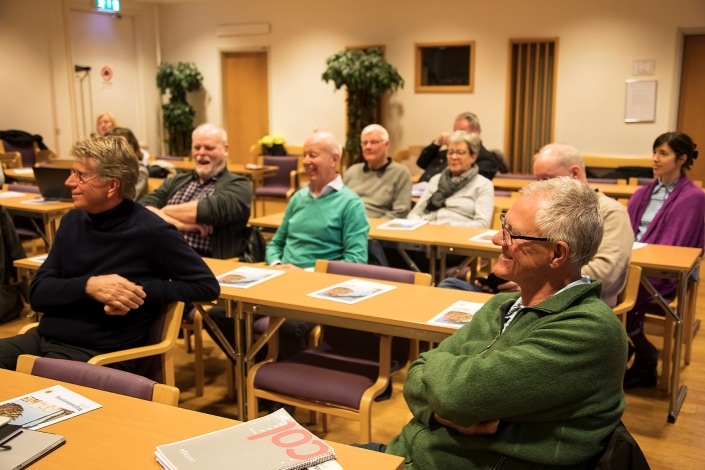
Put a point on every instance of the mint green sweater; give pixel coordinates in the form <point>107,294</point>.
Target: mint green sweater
<point>332,227</point>
<point>553,378</point>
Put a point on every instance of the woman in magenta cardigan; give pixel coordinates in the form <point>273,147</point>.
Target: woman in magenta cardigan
<point>669,211</point>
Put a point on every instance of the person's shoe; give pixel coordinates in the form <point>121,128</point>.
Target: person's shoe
<point>637,377</point>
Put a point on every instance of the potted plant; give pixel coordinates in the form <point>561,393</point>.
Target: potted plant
<point>367,76</point>
<point>178,79</point>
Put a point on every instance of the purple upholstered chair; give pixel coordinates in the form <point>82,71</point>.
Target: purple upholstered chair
<point>28,151</point>
<point>282,185</point>
<point>348,369</point>
<point>102,378</point>
<point>155,360</point>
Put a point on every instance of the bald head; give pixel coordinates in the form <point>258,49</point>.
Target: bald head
<point>555,160</point>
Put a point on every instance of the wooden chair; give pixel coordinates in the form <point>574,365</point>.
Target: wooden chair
<point>281,186</point>
<point>102,378</point>
<point>155,360</point>
<point>627,297</point>
<point>11,160</point>
<point>658,324</point>
<point>343,374</point>
<point>28,151</point>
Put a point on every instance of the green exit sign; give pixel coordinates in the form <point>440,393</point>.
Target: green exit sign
<point>108,5</point>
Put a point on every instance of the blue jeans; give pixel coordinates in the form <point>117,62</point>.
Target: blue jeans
<point>458,284</point>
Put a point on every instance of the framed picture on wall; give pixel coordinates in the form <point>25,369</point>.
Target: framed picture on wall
<point>447,67</point>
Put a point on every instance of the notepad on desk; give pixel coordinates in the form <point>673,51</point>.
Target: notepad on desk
<point>47,406</point>
<point>272,442</point>
<point>27,447</point>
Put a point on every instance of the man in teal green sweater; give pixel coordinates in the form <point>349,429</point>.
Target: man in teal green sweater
<point>535,379</point>
<point>326,220</point>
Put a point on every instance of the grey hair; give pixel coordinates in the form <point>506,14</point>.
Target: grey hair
<point>113,157</point>
<point>472,119</point>
<point>569,212</point>
<point>565,155</point>
<point>471,139</point>
<point>384,135</point>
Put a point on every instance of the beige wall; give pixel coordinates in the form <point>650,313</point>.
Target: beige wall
<point>599,41</point>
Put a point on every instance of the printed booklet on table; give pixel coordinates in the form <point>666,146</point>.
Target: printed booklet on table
<point>246,276</point>
<point>401,224</point>
<point>272,442</point>
<point>484,236</point>
<point>352,291</point>
<point>47,406</point>
<point>457,315</point>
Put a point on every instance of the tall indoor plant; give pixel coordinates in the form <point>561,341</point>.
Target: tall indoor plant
<point>367,76</point>
<point>178,79</point>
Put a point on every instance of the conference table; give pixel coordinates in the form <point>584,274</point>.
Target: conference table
<point>125,431</point>
<point>30,205</point>
<point>403,311</point>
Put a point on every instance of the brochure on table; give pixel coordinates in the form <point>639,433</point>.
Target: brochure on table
<point>352,291</point>
<point>484,236</point>
<point>457,315</point>
<point>246,276</point>
<point>272,442</point>
<point>47,406</point>
<point>401,224</point>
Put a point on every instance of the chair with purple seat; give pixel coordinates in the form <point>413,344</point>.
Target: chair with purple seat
<point>101,378</point>
<point>346,371</point>
<point>155,360</point>
<point>28,150</point>
<point>28,228</point>
<point>282,185</point>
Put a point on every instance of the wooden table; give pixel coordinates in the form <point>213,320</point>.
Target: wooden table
<point>50,213</point>
<point>124,433</point>
<point>671,262</point>
<point>401,312</point>
<point>617,191</point>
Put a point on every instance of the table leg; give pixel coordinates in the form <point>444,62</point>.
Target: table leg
<point>677,392</point>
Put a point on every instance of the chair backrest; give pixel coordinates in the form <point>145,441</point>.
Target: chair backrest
<point>23,188</point>
<point>27,150</point>
<point>640,181</point>
<point>361,344</point>
<point>286,165</point>
<point>622,452</point>
<point>11,160</point>
<point>627,297</point>
<point>100,377</point>
<point>516,176</point>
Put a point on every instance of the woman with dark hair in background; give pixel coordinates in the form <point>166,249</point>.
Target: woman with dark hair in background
<point>669,211</point>
<point>141,187</point>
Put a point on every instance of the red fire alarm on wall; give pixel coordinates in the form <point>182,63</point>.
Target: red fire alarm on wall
<point>106,73</point>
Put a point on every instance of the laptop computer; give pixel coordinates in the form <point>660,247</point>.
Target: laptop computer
<point>51,183</point>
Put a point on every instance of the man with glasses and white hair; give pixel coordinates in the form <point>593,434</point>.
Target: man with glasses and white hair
<point>112,268</point>
<point>535,379</point>
<point>383,184</point>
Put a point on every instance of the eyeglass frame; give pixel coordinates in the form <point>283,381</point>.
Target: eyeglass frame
<point>371,142</point>
<point>461,153</point>
<point>512,237</point>
<point>80,176</point>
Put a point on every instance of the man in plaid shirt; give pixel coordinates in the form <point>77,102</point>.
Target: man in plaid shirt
<point>210,205</point>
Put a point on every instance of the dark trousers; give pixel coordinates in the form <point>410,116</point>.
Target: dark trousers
<point>33,343</point>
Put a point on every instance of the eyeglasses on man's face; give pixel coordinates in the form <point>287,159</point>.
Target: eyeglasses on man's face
<point>460,153</point>
<point>508,237</point>
<point>83,176</point>
<point>370,142</point>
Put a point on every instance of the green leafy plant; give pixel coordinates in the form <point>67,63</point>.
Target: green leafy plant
<point>367,76</point>
<point>178,80</point>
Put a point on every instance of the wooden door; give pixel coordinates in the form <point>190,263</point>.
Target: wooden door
<point>691,109</point>
<point>246,101</point>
